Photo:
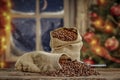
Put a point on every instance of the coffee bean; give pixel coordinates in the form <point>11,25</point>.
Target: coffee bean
<point>71,69</point>
<point>65,34</point>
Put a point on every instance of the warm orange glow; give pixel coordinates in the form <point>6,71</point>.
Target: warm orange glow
<point>103,1</point>
<point>9,4</point>
<point>98,49</point>
<point>5,35</point>
<point>93,42</point>
<point>108,27</point>
<point>2,64</point>
<point>8,17</point>
<point>3,39</point>
<point>8,28</point>
<point>98,23</point>
<point>4,47</point>
<point>4,13</point>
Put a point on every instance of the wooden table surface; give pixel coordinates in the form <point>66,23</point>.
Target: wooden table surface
<point>105,74</point>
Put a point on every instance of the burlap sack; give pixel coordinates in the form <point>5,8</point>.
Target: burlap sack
<point>69,43</point>
<point>39,61</point>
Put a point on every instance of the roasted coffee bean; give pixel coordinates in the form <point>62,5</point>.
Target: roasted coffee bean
<point>71,69</point>
<point>65,34</point>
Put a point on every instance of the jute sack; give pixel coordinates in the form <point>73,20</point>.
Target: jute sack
<point>67,41</point>
<point>39,61</point>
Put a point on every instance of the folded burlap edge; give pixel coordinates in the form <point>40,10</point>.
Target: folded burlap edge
<point>57,43</point>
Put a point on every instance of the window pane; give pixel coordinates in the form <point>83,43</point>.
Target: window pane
<point>51,5</point>
<point>24,6</point>
<point>24,34</point>
<point>47,25</point>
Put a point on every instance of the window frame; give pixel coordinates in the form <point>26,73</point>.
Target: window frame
<point>68,17</point>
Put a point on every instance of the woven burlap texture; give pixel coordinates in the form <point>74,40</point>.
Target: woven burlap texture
<point>70,48</point>
<point>38,61</point>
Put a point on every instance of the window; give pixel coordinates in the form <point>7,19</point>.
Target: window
<point>32,22</point>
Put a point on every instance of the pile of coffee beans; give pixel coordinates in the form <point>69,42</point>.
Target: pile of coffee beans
<point>65,34</point>
<point>72,69</point>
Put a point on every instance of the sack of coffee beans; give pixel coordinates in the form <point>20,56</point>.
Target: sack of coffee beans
<point>66,40</point>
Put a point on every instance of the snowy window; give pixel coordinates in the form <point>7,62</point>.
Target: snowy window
<point>24,33</point>
<point>32,22</point>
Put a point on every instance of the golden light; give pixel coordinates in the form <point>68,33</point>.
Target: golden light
<point>2,64</point>
<point>108,27</point>
<point>5,35</point>
<point>9,4</point>
<point>4,47</point>
<point>4,13</point>
<point>98,23</point>
<point>93,42</point>
<point>3,39</point>
<point>8,17</point>
<point>102,1</point>
<point>8,28</point>
<point>97,49</point>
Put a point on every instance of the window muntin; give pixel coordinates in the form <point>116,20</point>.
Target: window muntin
<point>53,14</point>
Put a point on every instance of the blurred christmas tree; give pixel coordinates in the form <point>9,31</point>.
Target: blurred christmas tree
<point>102,38</point>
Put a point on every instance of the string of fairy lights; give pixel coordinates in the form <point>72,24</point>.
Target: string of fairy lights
<point>5,28</point>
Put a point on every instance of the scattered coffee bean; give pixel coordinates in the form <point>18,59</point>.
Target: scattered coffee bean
<point>72,69</point>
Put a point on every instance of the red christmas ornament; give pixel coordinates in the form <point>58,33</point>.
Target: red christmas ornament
<point>115,10</point>
<point>89,61</point>
<point>98,23</point>
<point>111,43</point>
<point>88,36</point>
<point>93,16</point>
